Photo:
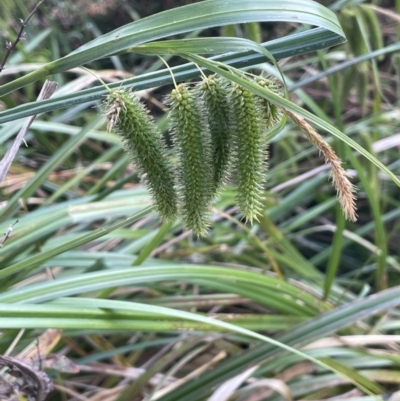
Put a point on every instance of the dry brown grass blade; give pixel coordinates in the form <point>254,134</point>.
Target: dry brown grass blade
<point>221,355</point>
<point>345,189</point>
<point>47,91</point>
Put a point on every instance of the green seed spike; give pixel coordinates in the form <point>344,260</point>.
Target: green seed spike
<point>250,152</point>
<point>270,112</point>
<point>214,92</point>
<point>191,136</point>
<point>128,117</point>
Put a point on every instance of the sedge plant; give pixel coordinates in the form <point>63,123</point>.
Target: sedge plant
<point>60,239</point>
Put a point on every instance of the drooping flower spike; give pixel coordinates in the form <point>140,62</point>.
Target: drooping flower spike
<point>190,133</point>
<point>141,138</point>
<point>250,152</point>
<point>214,95</point>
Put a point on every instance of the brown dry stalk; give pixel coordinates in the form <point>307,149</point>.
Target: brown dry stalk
<point>345,189</point>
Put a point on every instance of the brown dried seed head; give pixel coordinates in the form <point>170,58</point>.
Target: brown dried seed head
<point>112,114</point>
<point>345,189</point>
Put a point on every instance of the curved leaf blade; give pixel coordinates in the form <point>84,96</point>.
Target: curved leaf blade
<point>296,44</point>
<point>206,14</point>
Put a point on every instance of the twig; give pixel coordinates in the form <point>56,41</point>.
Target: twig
<point>48,89</point>
<point>9,45</point>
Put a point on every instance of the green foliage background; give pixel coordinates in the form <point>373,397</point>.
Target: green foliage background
<point>146,304</point>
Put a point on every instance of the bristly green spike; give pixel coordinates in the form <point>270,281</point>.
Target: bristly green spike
<point>214,93</point>
<point>128,117</point>
<point>271,114</point>
<point>250,152</point>
<point>191,137</point>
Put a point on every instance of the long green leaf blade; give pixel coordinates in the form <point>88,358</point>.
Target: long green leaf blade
<point>206,14</point>
<point>298,43</point>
